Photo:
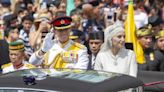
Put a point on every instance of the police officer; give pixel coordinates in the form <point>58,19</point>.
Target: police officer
<point>17,58</point>
<point>144,36</point>
<point>61,52</point>
<point>77,36</point>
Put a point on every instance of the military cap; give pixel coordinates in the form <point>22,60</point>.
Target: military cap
<point>60,23</point>
<point>160,34</point>
<point>96,35</point>
<point>16,46</point>
<point>144,31</point>
<point>75,34</point>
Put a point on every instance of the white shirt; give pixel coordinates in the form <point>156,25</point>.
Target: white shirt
<point>93,59</point>
<point>141,19</point>
<point>124,62</point>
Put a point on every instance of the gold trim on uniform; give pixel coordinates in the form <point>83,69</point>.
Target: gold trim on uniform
<point>73,37</point>
<point>6,65</point>
<point>160,34</point>
<point>65,27</point>
<point>144,31</point>
<point>79,45</point>
<point>63,44</point>
<point>69,56</point>
<point>151,55</point>
<point>16,47</point>
<point>29,65</point>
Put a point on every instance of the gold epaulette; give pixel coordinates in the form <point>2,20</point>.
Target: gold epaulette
<point>78,45</point>
<point>29,65</point>
<point>6,65</point>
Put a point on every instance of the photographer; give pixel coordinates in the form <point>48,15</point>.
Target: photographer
<point>41,26</point>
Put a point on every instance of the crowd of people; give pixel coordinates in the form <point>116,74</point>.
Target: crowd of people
<point>42,33</point>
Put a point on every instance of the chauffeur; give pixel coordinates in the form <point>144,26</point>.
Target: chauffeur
<point>61,52</point>
<point>17,58</point>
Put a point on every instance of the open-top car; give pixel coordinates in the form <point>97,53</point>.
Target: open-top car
<point>153,80</point>
<point>68,80</point>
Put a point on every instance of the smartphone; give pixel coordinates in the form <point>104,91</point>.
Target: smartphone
<point>43,5</point>
<point>115,16</point>
<point>109,17</point>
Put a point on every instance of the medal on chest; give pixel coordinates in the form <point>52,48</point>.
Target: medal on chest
<point>70,56</point>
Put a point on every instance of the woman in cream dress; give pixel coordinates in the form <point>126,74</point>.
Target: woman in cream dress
<point>113,56</point>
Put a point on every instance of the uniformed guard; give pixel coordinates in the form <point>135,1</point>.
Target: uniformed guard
<point>61,52</point>
<point>159,50</point>
<point>17,58</point>
<point>77,36</point>
<point>144,36</point>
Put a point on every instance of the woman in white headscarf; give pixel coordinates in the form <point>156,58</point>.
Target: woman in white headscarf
<point>113,56</point>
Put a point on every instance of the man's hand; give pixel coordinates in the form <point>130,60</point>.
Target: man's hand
<point>47,42</point>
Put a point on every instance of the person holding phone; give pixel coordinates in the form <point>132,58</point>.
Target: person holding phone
<point>41,26</point>
<point>60,52</point>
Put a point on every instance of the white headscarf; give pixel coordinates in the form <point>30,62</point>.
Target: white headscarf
<point>110,32</point>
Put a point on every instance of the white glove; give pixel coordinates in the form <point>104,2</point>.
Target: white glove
<point>47,42</point>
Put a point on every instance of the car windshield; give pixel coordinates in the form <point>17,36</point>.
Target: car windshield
<point>75,74</point>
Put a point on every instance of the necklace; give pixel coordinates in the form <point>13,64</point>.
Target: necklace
<point>115,61</point>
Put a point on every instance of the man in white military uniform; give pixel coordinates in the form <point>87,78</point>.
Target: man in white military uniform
<point>17,58</point>
<point>61,52</point>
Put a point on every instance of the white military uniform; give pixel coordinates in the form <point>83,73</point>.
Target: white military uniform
<point>6,68</point>
<point>68,55</point>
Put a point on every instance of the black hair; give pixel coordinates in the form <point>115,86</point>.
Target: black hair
<point>28,17</point>
<point>76,11</point>
<point>8,29</point>
<point>96,35</point>
<point>7,19</point>
<point>54,3</point>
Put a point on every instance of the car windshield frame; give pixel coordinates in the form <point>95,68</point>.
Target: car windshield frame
<point>69,80</point>
<point>92,76</point>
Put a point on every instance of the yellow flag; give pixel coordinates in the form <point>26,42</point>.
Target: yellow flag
<point>131,35</point>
